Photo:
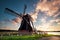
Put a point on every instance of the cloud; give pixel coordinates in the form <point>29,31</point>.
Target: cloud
<point>50,7</point>
<point>57,15</point>
<point>49,26</point>
<point>49,10</point>
<point>59,23</point>
<point>43,19</point>
<point>16,20</point>
<point>55,21</point>
<point>34,16</point>
<point>8,24</point>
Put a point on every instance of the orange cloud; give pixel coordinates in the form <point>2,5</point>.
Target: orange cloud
<point>17,20</point>
<point>49,7</point>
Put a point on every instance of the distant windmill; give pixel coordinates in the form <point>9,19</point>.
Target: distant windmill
<point>26,20</point>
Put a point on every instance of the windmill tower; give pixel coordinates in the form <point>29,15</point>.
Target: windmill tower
<point>25,24</point>
<point>26,20</point>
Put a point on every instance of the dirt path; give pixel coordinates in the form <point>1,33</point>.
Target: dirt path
<point>50,38</point>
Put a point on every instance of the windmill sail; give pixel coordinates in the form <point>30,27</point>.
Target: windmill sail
<point>13,12</point>
<point>24,9</point>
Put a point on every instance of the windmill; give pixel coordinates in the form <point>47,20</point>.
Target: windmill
<point>26,20</point>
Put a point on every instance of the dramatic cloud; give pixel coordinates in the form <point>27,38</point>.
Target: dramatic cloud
<point>50,12</point>
<point>50,7</point>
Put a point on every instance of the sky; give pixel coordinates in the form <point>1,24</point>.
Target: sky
<point>45,14</point>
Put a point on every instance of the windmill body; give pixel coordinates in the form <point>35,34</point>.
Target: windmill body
<point>25,24</point>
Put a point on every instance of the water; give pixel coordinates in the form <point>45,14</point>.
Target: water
<point>54,33</point>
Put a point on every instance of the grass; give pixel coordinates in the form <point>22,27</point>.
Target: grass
<point>24,37</point>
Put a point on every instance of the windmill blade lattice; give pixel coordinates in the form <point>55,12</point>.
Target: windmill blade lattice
<point>11,11</point>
